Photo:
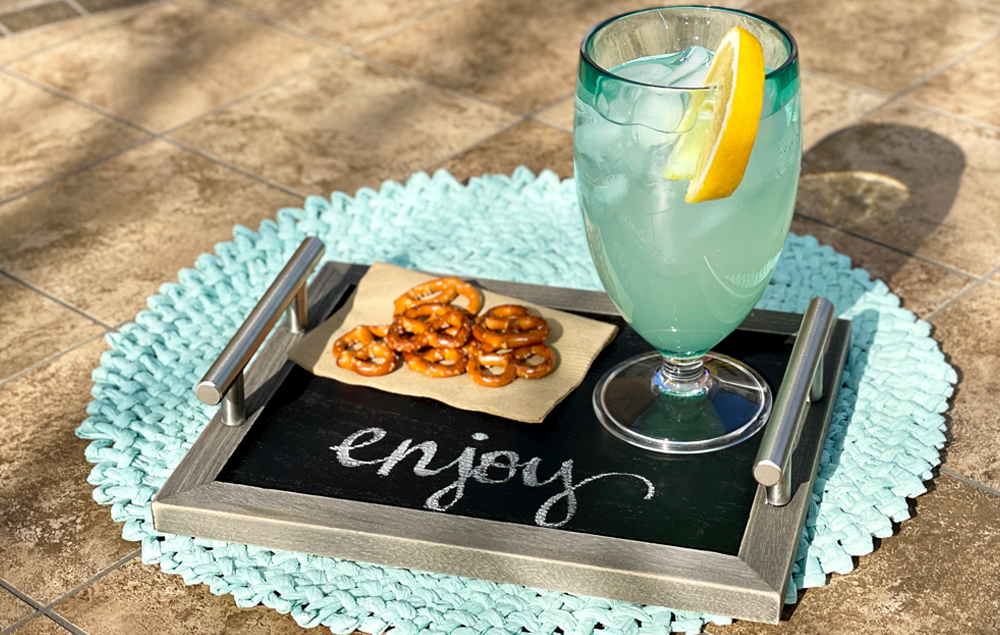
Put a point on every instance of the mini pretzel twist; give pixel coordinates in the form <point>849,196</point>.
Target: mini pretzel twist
<point>527,370</point>
<point>357,350</point>
<point>433,324</point>
<point>430,362</point>
<point>479,360</point>
<point>440,291</point>
<point>510,326</point>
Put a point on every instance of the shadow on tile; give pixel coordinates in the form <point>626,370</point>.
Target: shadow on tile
<point>889,182</point>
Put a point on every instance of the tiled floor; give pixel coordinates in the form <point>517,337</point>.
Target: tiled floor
<point>133,138</point>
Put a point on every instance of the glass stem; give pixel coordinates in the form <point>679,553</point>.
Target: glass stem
<point>681,378</point>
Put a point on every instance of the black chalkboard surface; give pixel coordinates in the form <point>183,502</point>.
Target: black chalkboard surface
<point>699,501</point>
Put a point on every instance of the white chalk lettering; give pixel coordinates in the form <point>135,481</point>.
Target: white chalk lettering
<point>503,463</point>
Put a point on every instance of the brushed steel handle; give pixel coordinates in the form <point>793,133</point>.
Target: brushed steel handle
<point>224,380</point>
<point>801,386</point>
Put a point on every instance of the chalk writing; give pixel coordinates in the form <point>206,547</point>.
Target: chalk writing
<point>494,467</point>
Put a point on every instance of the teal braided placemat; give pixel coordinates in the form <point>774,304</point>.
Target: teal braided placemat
<point>885,436</point>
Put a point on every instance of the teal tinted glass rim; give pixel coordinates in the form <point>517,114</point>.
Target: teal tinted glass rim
<point>793,47</point>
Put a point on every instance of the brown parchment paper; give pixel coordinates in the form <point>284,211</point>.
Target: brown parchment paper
<point>576,341</point>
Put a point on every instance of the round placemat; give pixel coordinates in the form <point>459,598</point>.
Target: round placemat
<point>885,435</point>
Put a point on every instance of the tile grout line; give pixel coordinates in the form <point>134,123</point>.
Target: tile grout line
<point>235,168</point>
<point>21,622</point>
<point>21,595</point>
<point>433,166</point>
<point>74,171</point>
<point>76,100</point>
<point>947,304</point>
<point>259,19</point>
<point>978,5</point>
<point>56,299</point>
<point>965,291</point>
<point>76,36</point>
<point>324,62</point>
<point>355,52</point>
<point>117,565</point>
<point>949,64</point>
<point>154,135</point>
<point>415,21</point>
<point>78,8</point>
<point>953,269</point>
<point>5,30</point>
<point>970,481</point>
<point>51,358</point>
<point>900,96</point>
<point>845,82</point>
<point>65,623</point>
<point>946,113</point>
<point>408,73</point>
<point>523,119</point>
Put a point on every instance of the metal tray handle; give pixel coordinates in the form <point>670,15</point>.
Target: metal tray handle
<point>801,386</point>
<point>223,383</point>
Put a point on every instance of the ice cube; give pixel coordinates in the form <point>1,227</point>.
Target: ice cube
<point>600,194</point>
<point>648,73</point>
<point>600,141</point>
<point>657,115</point>
<point>690,69</point>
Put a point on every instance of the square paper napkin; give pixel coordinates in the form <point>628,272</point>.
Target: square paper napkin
<point>575,340</point>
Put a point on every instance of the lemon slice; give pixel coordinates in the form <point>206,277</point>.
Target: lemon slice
<point>715,151</point>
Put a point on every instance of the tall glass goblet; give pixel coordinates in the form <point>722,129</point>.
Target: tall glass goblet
<point>683,275</point>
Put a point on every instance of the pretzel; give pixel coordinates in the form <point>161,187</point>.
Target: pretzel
<point>440,291</point>
<point>510,326</point>
<point>479,360</point>
<point>403,341</point>
<point>433,324</point>
<point>429,362</point>
<point>534,371</point>
<point>357,349</point>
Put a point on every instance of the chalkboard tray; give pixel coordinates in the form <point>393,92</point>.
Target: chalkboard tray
<point>333,469</point>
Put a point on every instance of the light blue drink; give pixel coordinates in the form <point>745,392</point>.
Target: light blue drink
<point>683,275</point>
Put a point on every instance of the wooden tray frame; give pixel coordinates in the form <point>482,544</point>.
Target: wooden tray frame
<point>749,586</point>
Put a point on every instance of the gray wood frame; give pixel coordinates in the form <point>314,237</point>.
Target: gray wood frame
<point>749,586</point>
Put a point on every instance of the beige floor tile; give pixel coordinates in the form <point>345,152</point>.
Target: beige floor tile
<point>12,609</point>
<point>53,536</point>
<point>970,88</point>
<point>345,125</point>
<point>520,53</point>
<point>939,575</point>
<point>560,114</point>
<point>37,39</point>
<point>922,287</point>
<point>40,625</point>
<point>172,63</point>
<point>106,238</point>
<point>95,6</point>
<point>343,21</point>
<point>912,179</point>
<point>37,16</point>
<point>969,332</point>
<point>532,144</point>
<point>35,327</point>
<point>139,599</point>
<point>6,6</point>
<point>43,136</point>
<point>885,45</point>
<point>828,106</point>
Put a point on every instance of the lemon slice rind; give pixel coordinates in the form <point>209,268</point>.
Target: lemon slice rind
<point>724,135</point>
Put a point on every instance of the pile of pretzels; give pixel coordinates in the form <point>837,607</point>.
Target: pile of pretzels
<point>439,339</point>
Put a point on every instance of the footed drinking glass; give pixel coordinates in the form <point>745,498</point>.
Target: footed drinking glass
<point>683,275</point>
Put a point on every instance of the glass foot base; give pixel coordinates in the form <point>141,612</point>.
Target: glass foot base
<point>733,403</point>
